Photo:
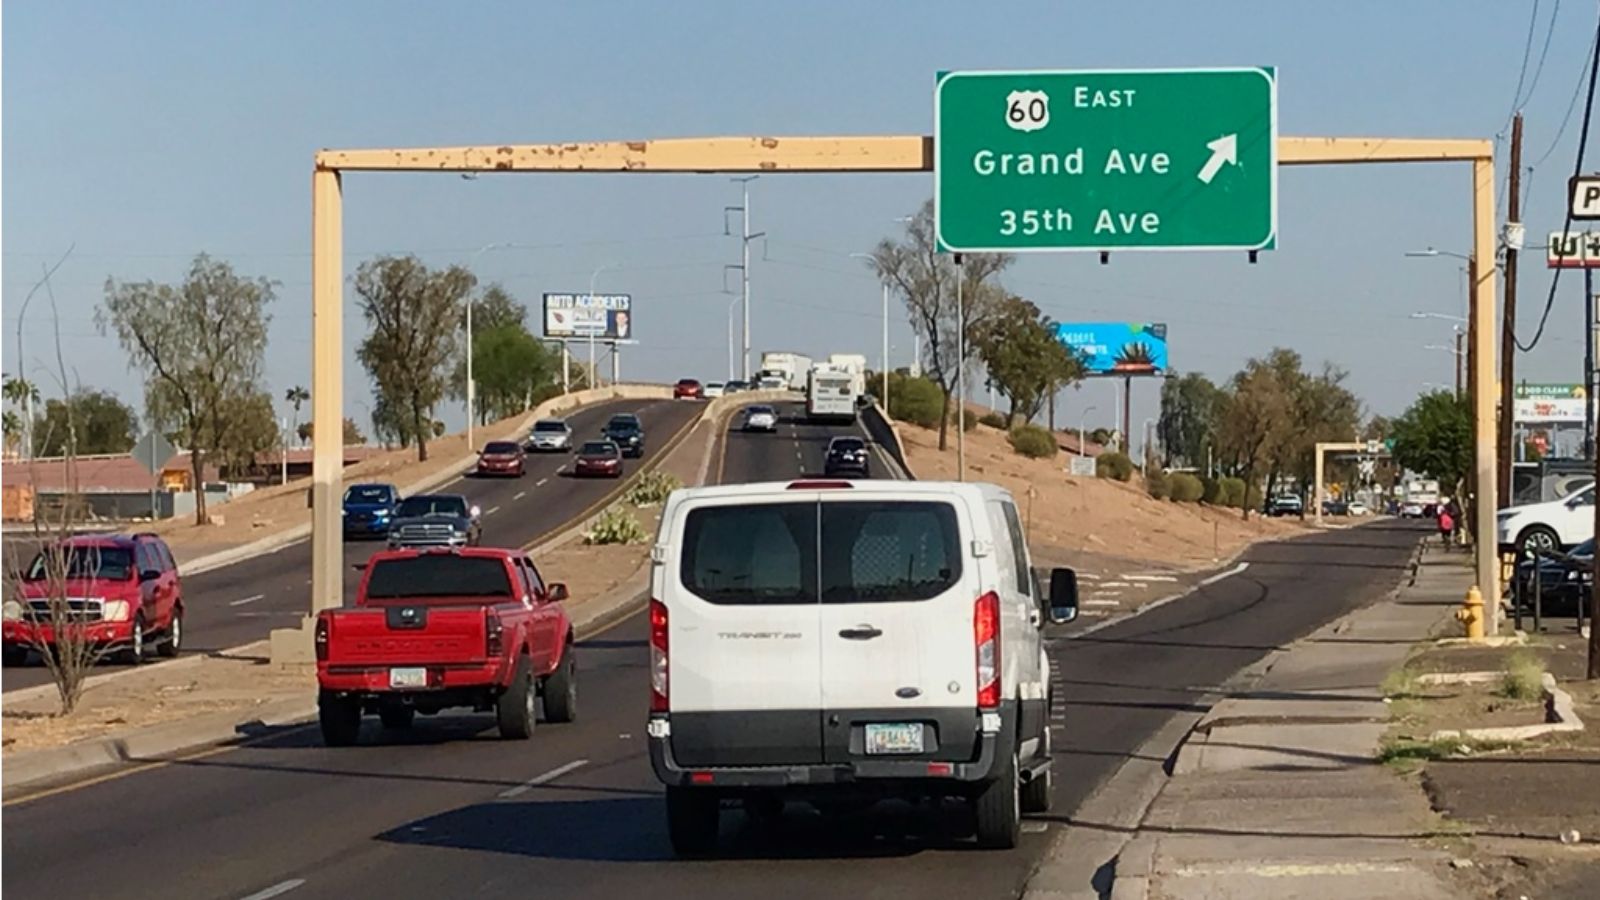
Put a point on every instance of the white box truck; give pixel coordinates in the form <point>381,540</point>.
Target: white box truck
<point>793,368</point>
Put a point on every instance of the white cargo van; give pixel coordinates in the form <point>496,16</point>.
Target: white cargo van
<point>839,642</point>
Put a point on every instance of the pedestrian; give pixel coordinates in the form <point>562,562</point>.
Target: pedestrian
<point>1447,525</point>
<point>1457,528</point>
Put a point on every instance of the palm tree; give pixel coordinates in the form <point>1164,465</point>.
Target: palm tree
<point>23,394</point>
<point>296,396</point>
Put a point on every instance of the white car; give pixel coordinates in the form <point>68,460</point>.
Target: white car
<point>760,418</point>
<point>837,643</point>
<point>713,390</point>
<point>1357,508</point>
<point>772,383</point>
<point>1555,525</point>
<point>549,436</point>
<point>1411,510</point>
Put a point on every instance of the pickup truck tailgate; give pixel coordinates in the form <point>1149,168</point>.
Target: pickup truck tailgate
<point>407,635</point>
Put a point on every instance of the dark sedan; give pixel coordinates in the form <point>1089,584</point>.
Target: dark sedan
<point>847,455</point>
<point>1565,579</point>
<point>598,459</point>
<point>627,432</point>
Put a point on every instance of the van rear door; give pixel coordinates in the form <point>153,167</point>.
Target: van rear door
<point>742,632</point>
<point>898,657</point>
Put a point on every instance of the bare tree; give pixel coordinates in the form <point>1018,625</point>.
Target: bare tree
<point>925,279</point>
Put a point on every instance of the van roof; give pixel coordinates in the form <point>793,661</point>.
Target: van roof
<point>980,491</point>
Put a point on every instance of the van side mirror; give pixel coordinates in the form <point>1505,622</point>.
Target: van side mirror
<point>555,592</point>
<point>1063,598</point>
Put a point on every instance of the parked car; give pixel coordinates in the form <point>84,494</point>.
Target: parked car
<point>436,629</point>
<point>598,459</point>
<point>1556,525</point>
<point>435,520</point>
<point>123,591</point>
<point>714,389</point>
<point>1357,508</point>
<point>688,389</point>
<point>822,642</point>
<point>1335,508</point>
<point>502,458</point>
<point>1566,579</point>
<point>626,431</point>
<point>1411,510</point>
<point>1285,505</point>
<point>760,418</point>
<point>734,387</point>
<point>368,509</point>
<point>550,436</point>
<point>847,455</point>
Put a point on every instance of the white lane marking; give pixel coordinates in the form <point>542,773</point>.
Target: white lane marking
<point>455,480</point>
<point>1221,575</point>
<point>520,495</point>
<point>248,600</point>
<point>492,510</point>
<point>308,581</point>
<point>1088,576</point>
<point>247,614</point>
<point>540,482</point>
<point>279,889</point>
<point>1115,584</point>
<point>1093,601</point>
<point>546,778</point>
<point>1150,578</point>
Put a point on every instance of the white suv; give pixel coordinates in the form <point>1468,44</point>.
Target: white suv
<point>1556,525</point>
<point>838,643</point>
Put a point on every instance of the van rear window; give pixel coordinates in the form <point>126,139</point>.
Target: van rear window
<point>438,575</point>
<point>835,552</point>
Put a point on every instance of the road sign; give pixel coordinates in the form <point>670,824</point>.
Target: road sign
<point>1573,250</point>
<point>1082,466</point>
<point>1156,159</point>
<point>1583,194</point>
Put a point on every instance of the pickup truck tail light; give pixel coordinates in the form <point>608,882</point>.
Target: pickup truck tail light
<point>986,638</point>
<point>321,639</point>
<point>658,657</point>
<point>493,635</point>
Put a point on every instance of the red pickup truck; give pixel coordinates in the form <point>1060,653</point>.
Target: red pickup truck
<point>446,627</point>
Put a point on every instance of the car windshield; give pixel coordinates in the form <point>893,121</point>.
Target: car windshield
<point>1584,549</point>
<point>416,507</point>
<point>500,447</point>
<point>714,384</point>
<point>367,493</point>
<point>441,575</point>
<point>101,563</point>
<point>550,426</point>
<point>599,448</point>
<point>624,421</point>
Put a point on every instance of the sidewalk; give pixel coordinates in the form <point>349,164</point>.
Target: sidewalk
<point>1278,792</point>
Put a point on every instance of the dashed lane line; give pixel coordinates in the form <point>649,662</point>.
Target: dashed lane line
<point>546,778</point>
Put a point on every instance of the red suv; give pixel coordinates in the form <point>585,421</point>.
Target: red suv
<point>502,458</point>
<point>688,389</point>
<point>122,590</point>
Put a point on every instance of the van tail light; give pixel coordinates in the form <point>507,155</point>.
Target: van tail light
<point>986,638</point>
<point>658,657</point>
<point>321,639</point>
<point>493,635</point>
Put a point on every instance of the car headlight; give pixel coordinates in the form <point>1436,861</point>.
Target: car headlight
<point>116,610</point>
<point>12,611</point>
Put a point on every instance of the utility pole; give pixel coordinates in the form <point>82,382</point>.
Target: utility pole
<point>1460,359</point>
<point>744,261</point>
<point>1589,325</point>
<point>1508,337</point>
<point>961,373</point>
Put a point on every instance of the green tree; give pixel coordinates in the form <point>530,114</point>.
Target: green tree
<point>249,430</point>
<point>413,315</point>
<point>1253,421</point>
<point>100,423</point>
<point>1025,361</point>
<point>296,396</point>
<point>1434,437</point>
<point>200,346</point>
<point>352,433</point>
<point>1324,410</point>
<point>926,280</point>
<point>494,308</point>
<point>1189,407</point>
<point>20,394</point>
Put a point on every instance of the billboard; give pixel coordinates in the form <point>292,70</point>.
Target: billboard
<point>1548,410</point>
<point>1117,348</point>
<point>605,317</point>
<point>1550,390</point>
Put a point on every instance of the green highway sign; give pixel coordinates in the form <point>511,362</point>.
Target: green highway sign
<point>1155,159</point>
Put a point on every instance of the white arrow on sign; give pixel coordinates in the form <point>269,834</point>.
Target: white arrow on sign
<point>1224,149</point>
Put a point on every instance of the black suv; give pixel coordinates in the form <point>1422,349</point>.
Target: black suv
<point>846,454</point>
<point>626,432</point>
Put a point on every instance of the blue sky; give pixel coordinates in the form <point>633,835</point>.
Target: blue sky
<point>145,133</point>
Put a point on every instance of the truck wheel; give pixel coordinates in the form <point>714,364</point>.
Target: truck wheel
<point>693,818</point>
<point>561,690</point>
<point>1036,794</point>
<point>514,710</point>
<point>396,716</point>
<point>174,642</point>
<point>15,657</point>
<point>133,654</point>
<point>340,718</point>
<point>998,808</point>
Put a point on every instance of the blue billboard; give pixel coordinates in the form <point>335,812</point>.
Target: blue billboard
<point>1117,348</point>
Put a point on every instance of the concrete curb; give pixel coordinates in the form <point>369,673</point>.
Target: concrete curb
<point>24,695</point>
<point>1132,872</point>
<point>1560,716</point>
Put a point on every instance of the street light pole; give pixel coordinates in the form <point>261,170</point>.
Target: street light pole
<point>1083,428</point>
<point>594,369</point>
<point>472,409</point>
<point>884,363</point>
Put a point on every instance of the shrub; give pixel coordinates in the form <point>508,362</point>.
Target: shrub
<point>1185,488</point>
<point>968,421</point>
<point>652,489</point>
<point>1156,484</point>
<point>1232,491</point>
<point>615,526</point>
<point>1113,465</point>
<point>916,400</point>
<point>993,420</point>
<point>1523,678</point>
<point>1033,442</point>
<point>1253,498</point>
<point>1213,495</point>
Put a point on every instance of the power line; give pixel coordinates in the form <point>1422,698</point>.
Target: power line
<point>1572,104</point>
<point>1522,73</point>
<point>1577,169</point>
<point>1538,69</point>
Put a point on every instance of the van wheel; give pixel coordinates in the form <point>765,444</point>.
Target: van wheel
<point>1036,794</point>
<point>397,716</point>
<point>174,642</point>
<point>16,657</point>
<point>340,718</point>
<point>133,654</point>
<point>561,690</point>
<point>693,818</point>
<point>998,808</point>
<point>514,710</point>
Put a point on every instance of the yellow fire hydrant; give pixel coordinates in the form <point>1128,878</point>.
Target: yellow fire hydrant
<point>1470,615</point>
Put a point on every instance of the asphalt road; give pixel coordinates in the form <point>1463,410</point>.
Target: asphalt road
<point>240,603</point>
<point>797,449</point>
<point>449,810</point>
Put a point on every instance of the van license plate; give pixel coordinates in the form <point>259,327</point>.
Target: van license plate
<point>408,678</point>
<point>895,737</point>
